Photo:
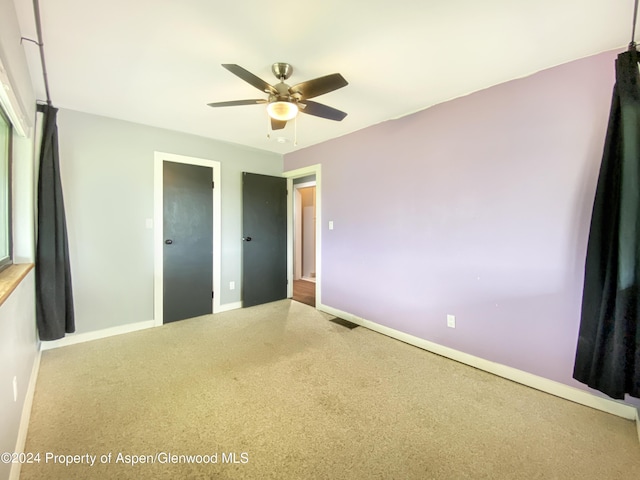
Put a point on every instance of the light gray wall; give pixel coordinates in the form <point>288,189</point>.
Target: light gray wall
<point>18,350</point>
<point>107,176</point>
<point>18,341</point>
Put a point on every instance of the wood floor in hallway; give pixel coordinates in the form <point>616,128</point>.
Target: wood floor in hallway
<point>304,292</point>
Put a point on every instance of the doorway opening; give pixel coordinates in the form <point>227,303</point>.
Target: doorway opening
<point>304,235</point>
<point>304,239</point>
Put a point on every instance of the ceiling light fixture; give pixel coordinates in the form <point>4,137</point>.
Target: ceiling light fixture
<point>282,110</point>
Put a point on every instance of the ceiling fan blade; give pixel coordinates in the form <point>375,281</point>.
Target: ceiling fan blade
<point>234,103</point>
<point>277,124</point>
<point>321,110</point>
<point>250,78</point>
<point>319,86</point>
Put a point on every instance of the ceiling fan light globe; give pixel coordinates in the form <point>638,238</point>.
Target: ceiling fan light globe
<point>282,111</point>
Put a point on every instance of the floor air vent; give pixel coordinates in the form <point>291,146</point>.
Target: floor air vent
<point>344,323</point>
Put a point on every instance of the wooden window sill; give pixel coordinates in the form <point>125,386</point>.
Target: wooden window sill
<point>11,277</point>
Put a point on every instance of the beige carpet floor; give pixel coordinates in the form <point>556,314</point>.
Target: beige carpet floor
<point>279,392</point>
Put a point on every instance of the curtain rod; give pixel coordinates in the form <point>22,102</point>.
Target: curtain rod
<point>632,44</point>
<point>36,12</point>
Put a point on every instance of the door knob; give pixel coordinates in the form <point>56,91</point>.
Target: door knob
<point>168,241</point>
<point>246,239</point>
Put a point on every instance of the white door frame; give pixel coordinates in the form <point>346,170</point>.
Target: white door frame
<point>290,175</point>
<point>158,234</point>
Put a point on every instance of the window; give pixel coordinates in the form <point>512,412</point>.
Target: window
<point>5,191</point>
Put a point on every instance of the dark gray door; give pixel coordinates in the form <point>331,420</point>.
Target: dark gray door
<point>264,246</point>
<point>188,241</point>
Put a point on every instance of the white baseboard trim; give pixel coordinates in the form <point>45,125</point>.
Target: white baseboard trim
<point>14,473</point>
<point>558,389</point>
<point>74,338</point>
<point>229,306</point>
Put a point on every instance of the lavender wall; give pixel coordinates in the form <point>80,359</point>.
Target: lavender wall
<point>478,207</point>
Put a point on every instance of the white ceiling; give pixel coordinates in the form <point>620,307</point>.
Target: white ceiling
<point>157,62</point>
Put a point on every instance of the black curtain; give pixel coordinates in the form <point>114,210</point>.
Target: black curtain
<point>608,351</point>
<point>54,297</point>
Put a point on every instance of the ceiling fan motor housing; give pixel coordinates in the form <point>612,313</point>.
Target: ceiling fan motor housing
<point>283,94</point>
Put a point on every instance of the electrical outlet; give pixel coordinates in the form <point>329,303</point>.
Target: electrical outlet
<point>232,285</point>
<point>451,321</point>
<point>15,389</point>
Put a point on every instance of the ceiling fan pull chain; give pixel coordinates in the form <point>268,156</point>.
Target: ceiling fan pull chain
<point>295,131</point>
<point>268,127</point>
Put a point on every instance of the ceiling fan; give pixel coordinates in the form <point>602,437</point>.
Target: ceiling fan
<point>284,102</point>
